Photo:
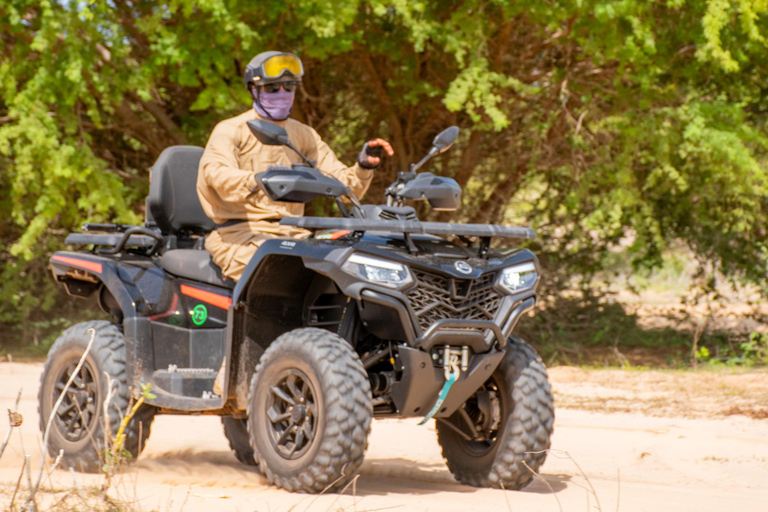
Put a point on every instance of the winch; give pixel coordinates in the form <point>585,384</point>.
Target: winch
<point>443,356</point>
<point>454,361</point>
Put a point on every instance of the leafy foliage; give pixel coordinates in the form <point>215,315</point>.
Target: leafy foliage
<point>751,352</point>
<point>607,125</point>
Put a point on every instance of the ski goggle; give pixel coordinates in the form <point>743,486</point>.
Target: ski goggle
<point>288,86</point>
<point>275,67</point>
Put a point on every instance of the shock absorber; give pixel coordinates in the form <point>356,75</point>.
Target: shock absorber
<point>380,383</point>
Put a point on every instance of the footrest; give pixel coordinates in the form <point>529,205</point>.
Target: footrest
<point>188,382</point>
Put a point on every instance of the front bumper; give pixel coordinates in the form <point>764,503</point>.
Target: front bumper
<point>479,335</point>
<point>415,393</point>
<point>420,382</point>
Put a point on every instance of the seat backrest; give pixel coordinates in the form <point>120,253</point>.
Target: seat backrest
<point>172,202</point>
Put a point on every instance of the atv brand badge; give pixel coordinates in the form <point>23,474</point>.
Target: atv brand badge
<point>463,267</point>
<point>199,314</point>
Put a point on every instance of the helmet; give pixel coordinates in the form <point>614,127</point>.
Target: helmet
<point>273,67</point>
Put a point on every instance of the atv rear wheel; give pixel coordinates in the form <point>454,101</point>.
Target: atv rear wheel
<point>309,411</point>
<point>78,425</point>
<point>236,431</point>
<point>513,417</point>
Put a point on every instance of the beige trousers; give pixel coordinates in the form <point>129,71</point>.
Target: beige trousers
<point>233,247</point>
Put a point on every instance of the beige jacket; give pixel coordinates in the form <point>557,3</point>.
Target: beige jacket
<point>227,187</point>
<point>225,181</point>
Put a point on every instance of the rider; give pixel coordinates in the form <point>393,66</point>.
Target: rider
<point>245,217</point>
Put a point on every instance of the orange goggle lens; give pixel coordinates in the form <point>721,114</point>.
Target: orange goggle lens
<point>275,66</point>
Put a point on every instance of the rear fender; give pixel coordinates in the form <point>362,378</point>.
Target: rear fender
<point>131,290</point>
<point>84,274</point>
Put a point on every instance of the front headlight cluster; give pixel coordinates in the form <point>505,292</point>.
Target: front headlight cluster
<point>520,277</point>
<point>514,279</point>
<point>375,270</point>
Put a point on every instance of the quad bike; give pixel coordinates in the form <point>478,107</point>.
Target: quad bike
<point>372,316</point>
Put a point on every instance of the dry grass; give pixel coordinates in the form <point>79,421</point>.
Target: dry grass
<point>36,496</point>
<point>70,499</point>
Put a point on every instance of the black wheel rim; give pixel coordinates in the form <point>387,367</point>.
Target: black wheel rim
<point>76,416</point>
<point>292,414</point>
<point>479,448</point>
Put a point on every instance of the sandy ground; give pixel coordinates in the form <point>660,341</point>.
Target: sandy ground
<point>650,441</point>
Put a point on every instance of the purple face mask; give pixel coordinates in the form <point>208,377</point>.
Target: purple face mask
<point>273,105</point>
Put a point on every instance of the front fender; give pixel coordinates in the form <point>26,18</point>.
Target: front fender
<point>269,300</point>
<point>318,257</point>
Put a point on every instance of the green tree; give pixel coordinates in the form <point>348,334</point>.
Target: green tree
<point>601,123</point>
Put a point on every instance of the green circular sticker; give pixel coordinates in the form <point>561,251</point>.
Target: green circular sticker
<point>176,319</point>
<point>199,314</point>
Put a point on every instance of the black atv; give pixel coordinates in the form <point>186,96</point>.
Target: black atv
<point>371,316</point>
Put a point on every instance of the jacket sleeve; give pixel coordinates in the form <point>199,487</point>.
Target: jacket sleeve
<point>220,167</point>
<point>355,177</point>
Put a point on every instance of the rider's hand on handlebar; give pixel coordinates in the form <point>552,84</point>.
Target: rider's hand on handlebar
<point>373,150</point>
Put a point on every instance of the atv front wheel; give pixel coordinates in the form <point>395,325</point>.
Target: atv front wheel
<point>236,431</point>
<point>309,411</point>
<point>501,434</point>
<point>78,424</point>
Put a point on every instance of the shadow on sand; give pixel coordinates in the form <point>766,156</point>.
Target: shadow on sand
<point>378,477</point>
<point>405,476</point>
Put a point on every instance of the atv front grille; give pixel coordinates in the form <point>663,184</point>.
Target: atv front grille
<point>438,297</point>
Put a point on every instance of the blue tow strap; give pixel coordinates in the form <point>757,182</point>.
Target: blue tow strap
<point>441,397</point>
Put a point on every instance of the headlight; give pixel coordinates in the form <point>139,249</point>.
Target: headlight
<point>520,277</point>
<point>383,272</point>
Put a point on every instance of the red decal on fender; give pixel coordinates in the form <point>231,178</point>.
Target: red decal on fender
<point>220,301</point>
<point>88,265</point>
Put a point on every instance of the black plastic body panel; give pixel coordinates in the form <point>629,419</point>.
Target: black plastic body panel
<point>173,322</point>
<point>269,300</point>
<point>74,266</point>
<point>417,391</point>
<point>187,348</point>
<point>167,321</point>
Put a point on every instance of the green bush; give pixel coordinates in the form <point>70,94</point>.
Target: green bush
<point>606,125</point>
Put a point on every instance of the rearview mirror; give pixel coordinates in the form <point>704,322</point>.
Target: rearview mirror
<point>442,142</point>
<point>445,138</point>
<point>269,133</point>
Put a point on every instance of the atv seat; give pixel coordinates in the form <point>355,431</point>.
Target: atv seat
<point>172,201</point>
<point>194,264</point>
<point>172,204</point>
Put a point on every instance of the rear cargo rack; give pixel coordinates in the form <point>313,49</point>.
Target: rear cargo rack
<point>135,236</point>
